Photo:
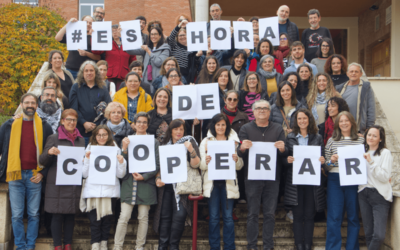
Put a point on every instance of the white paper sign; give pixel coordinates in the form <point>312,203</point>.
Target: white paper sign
<point>141,154</point>
<point>262,161</point>
<point>76,35</point>
<point>195,101</point>
<point>306,165</point>
<point>102,36</point>
<point>220,35</point>
<point>352,166</point>
<point>243,35</point>
<point>69,165</point>
<point>131,35</point>
<point>269,28</point>
<point>103,165</point>
<point>184,102</point>
<point>222,166</point>
<point>196,34</point>
<point>173,165</point>
<point>207,100</point>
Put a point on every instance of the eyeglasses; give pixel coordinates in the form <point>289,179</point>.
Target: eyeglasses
<point>29,103</point>
<point>283,39</point>
<point>101,13</point>
<point>173,76</point>
<point>183,35</point>
<point>70,120</point>
<point>232,99</point>
<point>102,135</point>
<point>49,95</point>
<point>139,122</point>
<point>261,109</point>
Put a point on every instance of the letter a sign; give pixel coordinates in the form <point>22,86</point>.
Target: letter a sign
<point>269,28</point>
<point>306,165</point>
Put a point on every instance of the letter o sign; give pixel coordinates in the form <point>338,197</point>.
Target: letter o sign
<point>97,163</point>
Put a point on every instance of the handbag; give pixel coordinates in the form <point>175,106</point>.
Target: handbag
<point>193,185</point>
<point>149,72</point>
<point>284,118</point>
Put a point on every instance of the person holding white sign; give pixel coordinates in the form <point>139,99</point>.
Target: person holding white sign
<point>77,57</point>
<point>137,189</point>
<point>221,193</point>
<point>172,209</point>
<point>265,191</point>
<point>375,197</point>
<point>100,199</point>
<point>305,200</point>
<point>237,70</point>
<point>154,53</point>
<point>62,201</point>
<point>341,197</point>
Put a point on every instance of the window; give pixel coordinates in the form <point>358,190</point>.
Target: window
<point>87,7</point>
<point>28,2</point>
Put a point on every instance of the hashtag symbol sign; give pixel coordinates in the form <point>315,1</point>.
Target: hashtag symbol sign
<point>76,36</point>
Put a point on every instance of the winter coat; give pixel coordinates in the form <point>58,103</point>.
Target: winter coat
<point>272,99</point>
<point>98,190</point>
<point>263,80</point>
<point>232,187</point>
<point>144,103</point>
<point>146,193</point>
<point>292,31</point>
<point>276,115</point>
<point>156,59</point>
<point>290,197</point>
<point>243,73</point>
<point>156,120</point>
<point>118,61</point>
<point>125,131</point>
<point>5,134</point>
<point>240,119</point>
<point>59,199</point>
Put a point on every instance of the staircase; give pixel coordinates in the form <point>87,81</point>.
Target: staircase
<point>283,233</point>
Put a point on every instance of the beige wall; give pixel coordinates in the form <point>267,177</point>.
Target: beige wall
<point>349,23</point>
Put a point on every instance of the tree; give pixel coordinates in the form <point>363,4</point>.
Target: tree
<point>26,37</point>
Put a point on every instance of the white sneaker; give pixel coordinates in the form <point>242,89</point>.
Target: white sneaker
<point>289,216</point>
<point>103,245</point>
<point>96,246</point>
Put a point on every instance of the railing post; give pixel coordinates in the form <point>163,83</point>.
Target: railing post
<point>195,200</point>
<point>5,218</point>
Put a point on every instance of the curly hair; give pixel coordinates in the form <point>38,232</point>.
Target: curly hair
<point>330,90</point>
<point>342,105</point>
<point>98,80</point>
<point>312,126</point>
<point>114,105</point>
<point>343,61</point>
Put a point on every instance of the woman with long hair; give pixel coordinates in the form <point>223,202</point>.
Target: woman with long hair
<point>306,77</point>
<point>225,84</point>
<point>161,115</point>
<point>341,198</point>
<point>208,70</point>
<point>325,50</point>
<point>282,52</point>
<point>56,61</point>
<point>305,200</point>
<point>336,67</point>
<point>250,93</point>
<point>237,70</point>
<point>321,90</point>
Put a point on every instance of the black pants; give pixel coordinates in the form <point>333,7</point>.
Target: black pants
<point>57,223</point>
<point>172,221</point>
<point>99,229</point>
<point>303,215</point>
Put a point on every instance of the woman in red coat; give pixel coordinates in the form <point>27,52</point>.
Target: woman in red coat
<point>117,59</point>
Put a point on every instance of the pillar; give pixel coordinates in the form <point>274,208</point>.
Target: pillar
<point>201,10</point>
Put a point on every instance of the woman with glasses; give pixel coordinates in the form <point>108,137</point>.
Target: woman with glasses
<point>161,80</point>
<point>174,77</point>
<point>251,92</point>
<point>154,54</point>
<point>61,201</point>
<point>324,51</point>
<point>188,61</point>
<point>282,52</point>
<point>268,76</point>
<point>100,200</point>
<point>133,97</point>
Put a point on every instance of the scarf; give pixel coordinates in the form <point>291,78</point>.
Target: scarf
<point>321,99</point>
<point>116,129</point>
<point>230,113</point>
<point>53,119</point>
<point>64,134</point>
<point>266,74</point>
<point>180,141</point>
<point>14,160</point>
<point>328,129</point>
<point>280,53</point>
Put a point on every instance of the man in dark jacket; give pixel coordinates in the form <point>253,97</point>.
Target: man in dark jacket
<point>285,25</point>
<point>262,130</point>
<point>86,94</point>
<point>22,142</point>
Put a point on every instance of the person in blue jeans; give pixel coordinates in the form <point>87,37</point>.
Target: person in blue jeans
<point>221,193</point>
<point>341,197</point>
<point>22,142</point>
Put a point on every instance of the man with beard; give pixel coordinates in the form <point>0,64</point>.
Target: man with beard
<point>22,142</point>
<point>297,50</point>
<point>99,14</point>
<point>312,36</point>
<point>49,110</point>
<point>285,25</point>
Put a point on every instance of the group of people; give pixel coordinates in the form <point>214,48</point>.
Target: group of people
<point>298,93</point>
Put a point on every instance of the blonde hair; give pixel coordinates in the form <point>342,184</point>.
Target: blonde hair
<point>330,90</point>
<point>111,106</point>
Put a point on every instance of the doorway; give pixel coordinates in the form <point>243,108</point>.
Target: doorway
<point>381,59</point>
